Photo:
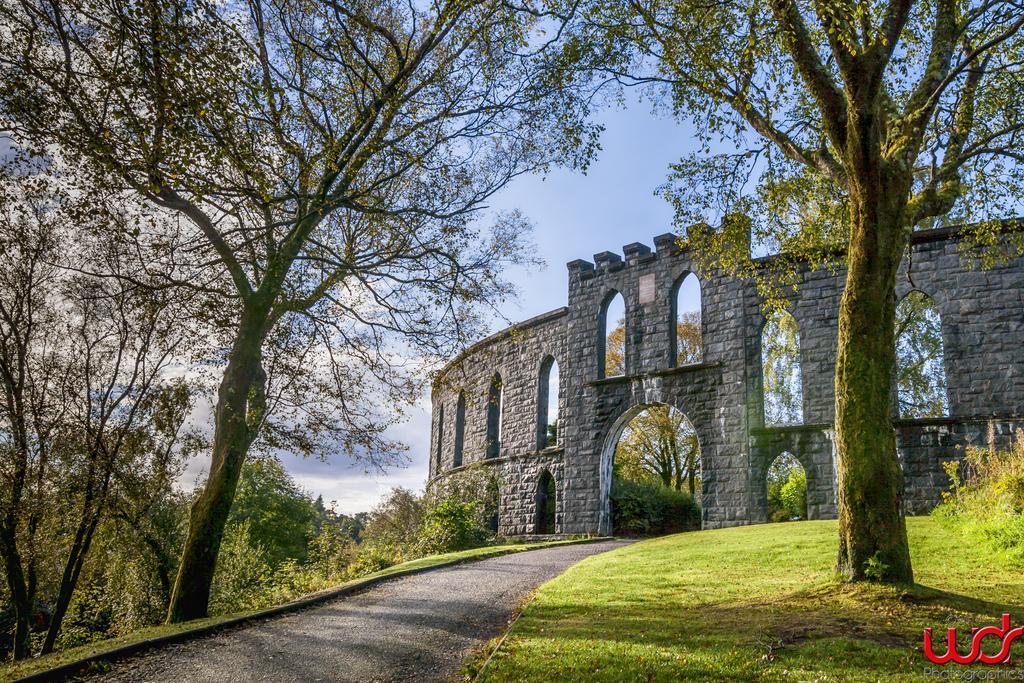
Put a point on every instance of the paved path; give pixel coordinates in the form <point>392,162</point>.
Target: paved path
<point>417,628</point>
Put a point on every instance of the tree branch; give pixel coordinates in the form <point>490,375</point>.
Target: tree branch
<point>826,93</point>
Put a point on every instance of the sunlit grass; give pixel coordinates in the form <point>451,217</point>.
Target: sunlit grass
<point>757,603</point>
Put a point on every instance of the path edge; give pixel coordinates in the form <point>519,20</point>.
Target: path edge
<point>478,676</point>
<point>76,667</point>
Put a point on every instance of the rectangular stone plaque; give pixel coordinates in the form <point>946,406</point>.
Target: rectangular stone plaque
<point>647,288</point>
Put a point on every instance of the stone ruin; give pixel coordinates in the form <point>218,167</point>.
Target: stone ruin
<point>489,403</point>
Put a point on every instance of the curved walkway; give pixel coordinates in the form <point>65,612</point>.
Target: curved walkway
<point>417,628</point>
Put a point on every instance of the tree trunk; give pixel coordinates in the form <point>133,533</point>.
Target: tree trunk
<point>164,568</point>
<point>691,476</point>
<point>677,465</point>
<point>69,580</point>
<point>243,384</point>
<point>21,596</point>
<point>22,590</point>
<point>872,530</point>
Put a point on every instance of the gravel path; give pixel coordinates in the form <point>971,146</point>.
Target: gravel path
<point>417,628</point>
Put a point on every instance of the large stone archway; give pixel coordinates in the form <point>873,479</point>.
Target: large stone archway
<point>611,441</point>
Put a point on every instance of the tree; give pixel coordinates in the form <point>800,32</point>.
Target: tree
<point>30,372</point>
<point>551,435</point>
<point>688,340</point>
<point>322,165</point>
<point>780,357</point>
<point>395,524</point>
<point>82,365</point>
<point>325,516</point>
<point>126,580</point>
<point>280,516</point>
<point>118,347</point>
<point>850,124</point>
<point>615,351</point>
<point>146,504</point>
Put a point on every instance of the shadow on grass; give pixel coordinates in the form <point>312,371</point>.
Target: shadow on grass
<point>849,631</point>
<point>928,596</point>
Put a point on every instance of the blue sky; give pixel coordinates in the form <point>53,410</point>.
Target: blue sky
<point>574,216</point>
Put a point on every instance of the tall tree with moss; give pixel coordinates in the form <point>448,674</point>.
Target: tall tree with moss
<point>831,125</point>
<point>322,165</point>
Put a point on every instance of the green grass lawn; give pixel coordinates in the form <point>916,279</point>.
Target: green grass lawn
<point>756,603</point>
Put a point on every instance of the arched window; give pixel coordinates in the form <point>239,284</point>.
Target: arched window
<point>920,363</point>
<point>611,337</point>
<point>460,429</point>
<point>440,439</point>
<point>686,313</point>
<point>780,358</point>
<point>786,484</point>
<point>494,410</point>
<point>545,520</point>
<point>547,404</point>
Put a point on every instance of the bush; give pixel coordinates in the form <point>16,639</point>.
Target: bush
<point>454,515</point>
<point>643,508</point>
<point>787,490</point>
<point>451,525</point>
<point>394,525</point>
<point>331,552</point>
<point>89,617</point>
<point>372,558</point>
<point>475,484</point>
<point>986,497</point>
<point>245,580</point>
<point>243,573</point>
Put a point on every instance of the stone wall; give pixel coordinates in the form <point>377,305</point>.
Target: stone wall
<point>982,314</point>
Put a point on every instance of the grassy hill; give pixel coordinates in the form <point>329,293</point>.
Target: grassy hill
<point>757,603</point>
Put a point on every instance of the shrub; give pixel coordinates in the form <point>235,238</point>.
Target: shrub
<point>451,525</point>
<point>475,484</point>
<point>986,497</point>
<point>647,508</point>
<point>787,490</point>
<point>242,575</point>
<point>395,523</point>
<point>371,558</point>
<point>452,516</point>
